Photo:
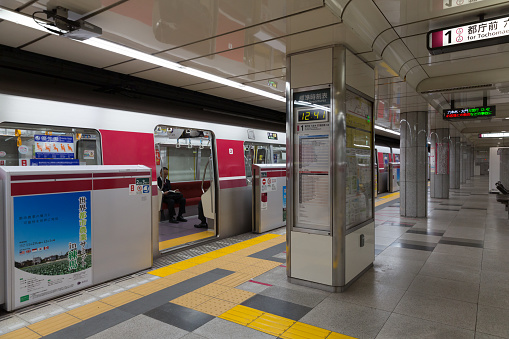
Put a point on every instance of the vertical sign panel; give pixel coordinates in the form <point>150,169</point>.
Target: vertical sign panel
<point>312,154</point>
<point>359,196</point>
<point>52,245</point>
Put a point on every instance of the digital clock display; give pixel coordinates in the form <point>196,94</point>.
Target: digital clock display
<point>306,115</point>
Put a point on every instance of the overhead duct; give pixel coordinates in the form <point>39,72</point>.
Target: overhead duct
<point>464,82</point>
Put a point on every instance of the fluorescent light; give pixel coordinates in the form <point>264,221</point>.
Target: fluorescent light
<point>494,135</point>
<point>386,130</point>
<point>27,21</point>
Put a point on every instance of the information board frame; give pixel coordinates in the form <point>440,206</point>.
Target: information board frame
<point>303,132</point>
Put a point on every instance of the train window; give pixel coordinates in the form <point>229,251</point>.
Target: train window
<point>182,152</point>
<point>258,153</point>
<point>35,145</point>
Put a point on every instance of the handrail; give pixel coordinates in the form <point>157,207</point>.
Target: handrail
<point>204,173</point>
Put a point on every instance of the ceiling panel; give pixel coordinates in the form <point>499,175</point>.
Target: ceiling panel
<point>229,93</point>
<point>168,76</point>
<point>15,35</point>
<point>67,49</point>
<point>473,64</point>
<point>129,67</point>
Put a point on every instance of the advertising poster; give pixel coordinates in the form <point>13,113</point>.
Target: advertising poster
<point>53,147</point>
<point>52,245</point>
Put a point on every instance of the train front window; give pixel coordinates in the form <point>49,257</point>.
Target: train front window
<point>35,145</point>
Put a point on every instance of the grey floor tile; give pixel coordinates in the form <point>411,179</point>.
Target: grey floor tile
<point>479,335</point>
<point>495,279</point>
<point>402,327</point>
<point>141,327</point>
<point>268,253</point>
<point>179,316</point>
<point>347,318</point>
<point>384,263</point>
<point>406,253</point>
<point>302,296</point>
<point>192,336</point>
<point>496,296</point>
<point>371,295</point>
<point>446,288</point>
<point>12,323</point>
<point>278,307</point>
<point>451,272</point>
<point>463,251</point>
<point>222,329</point>
<point>38,313</point>
<point>393,278</point>
<point>379,240</point>
<point>92,326</point>
<point>421,237</point>
<point>252,287</point>
<point>446,311</point>
<point>493,321</point>
<point>457,260</point>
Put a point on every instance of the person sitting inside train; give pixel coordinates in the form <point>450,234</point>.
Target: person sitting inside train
<point>201,216</point>
<point>170,197</point>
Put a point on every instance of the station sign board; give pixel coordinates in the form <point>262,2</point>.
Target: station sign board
<point>467,36</point>
<point>469,113</point>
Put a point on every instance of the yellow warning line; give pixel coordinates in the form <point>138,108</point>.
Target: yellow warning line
<point>185,239</point>
<point>219,298</point>
<point>387,198</point>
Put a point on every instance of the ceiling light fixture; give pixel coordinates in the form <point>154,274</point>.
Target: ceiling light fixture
<point>27,21</point>
<point>386,130</point>
<point>494,135</point>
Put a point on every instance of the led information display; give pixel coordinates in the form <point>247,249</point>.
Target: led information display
<point>473,35</point>
<point>312,115</point>
<point>468,113</point>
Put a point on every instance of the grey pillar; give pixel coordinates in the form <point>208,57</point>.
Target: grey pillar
<point>454,163</point>
<point>472,162</point>
<point>439,156</point>
<point>414,163</point>
<point>463,163</point>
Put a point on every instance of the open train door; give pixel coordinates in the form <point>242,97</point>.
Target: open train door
<point>185,160</point>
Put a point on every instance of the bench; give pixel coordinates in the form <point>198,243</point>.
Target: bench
<point>503,196</point>
<point>191,191</point>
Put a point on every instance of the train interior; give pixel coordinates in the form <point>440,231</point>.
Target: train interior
<point>189,157</point>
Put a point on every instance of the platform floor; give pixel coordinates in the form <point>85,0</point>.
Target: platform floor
<point>446,276</point>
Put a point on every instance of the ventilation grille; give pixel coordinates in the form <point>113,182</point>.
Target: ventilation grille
<point>463,88</point>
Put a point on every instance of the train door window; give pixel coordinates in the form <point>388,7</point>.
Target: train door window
<point>33,145</point>
<point>189,158</point>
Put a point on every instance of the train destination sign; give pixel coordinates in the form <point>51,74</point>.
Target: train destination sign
<point>468,113</point>
<point>473,35</point>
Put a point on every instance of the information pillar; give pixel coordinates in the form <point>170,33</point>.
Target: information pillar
<point>330,207</point>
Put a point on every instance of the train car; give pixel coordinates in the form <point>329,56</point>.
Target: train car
<point>208,162</point>
<point>384,155</point>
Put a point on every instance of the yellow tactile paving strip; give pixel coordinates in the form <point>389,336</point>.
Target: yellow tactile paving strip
<point>276,325</point>
<point>220,298</point>
<point>185,239</point>
<point>22,333</point>
<point>54,324</point>
<point>387,198</point>
<point>90,310</point>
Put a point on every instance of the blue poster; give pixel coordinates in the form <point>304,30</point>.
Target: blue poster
<point>52,245</point>
<point>54,162</point>
<point>54,147</point>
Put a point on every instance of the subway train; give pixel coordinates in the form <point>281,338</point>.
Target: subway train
<point>208,162</point>
<point>384,155</point>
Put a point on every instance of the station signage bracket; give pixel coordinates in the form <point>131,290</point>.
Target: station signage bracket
<point>484,112</point>
<point>477,34</point>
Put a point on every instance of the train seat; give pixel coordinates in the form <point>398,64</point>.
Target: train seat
<point>191,191</point>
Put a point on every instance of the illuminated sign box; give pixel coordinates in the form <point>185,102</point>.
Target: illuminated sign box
<point>469,113</point>
<point>472,35</point>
